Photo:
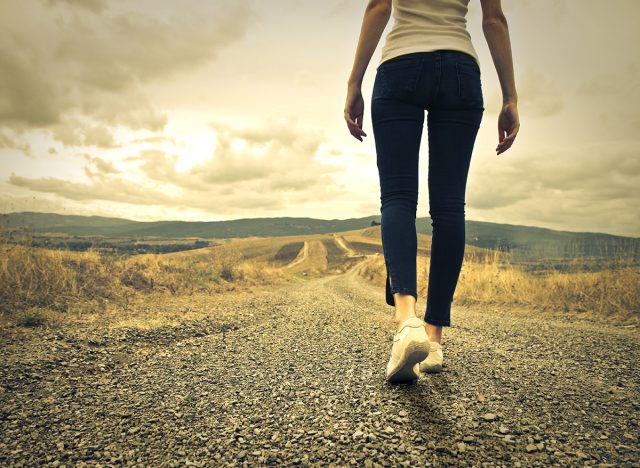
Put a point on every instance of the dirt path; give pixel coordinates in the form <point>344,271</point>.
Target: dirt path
<point>301,257</point>
<point>341,242</point>
<point>295,375</point>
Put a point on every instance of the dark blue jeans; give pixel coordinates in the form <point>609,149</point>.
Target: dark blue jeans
<point>447,84</point>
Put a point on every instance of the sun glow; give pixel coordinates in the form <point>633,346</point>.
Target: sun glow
<point>194,149</point>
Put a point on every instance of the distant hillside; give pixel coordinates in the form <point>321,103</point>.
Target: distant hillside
<point>117,227</point>
<point>529,242</point>
<point>523,241</point>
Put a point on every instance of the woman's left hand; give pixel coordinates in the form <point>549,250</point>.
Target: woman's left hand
<point>354,112</point>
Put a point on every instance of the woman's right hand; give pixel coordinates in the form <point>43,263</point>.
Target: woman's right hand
<point>508,126</point>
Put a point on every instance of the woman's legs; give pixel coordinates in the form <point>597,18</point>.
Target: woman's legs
<point>452,134</point>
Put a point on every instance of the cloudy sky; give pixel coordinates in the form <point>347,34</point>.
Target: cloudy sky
<point>215,109</point>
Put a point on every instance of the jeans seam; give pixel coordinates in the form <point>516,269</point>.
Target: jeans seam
<point>438,73</point>
<point>419,76</point>
<point>395,289</point>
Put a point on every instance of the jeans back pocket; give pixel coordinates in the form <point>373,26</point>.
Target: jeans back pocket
<point>398,77</point>
<point>469,83</point>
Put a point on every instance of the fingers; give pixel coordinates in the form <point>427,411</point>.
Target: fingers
<point>501,136</point>
<point>355,126</point>
<point>356,123</point>
<point>506,142</point>
<point>355,129</point>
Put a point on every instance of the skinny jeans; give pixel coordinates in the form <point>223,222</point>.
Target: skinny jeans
<point>447,85</point>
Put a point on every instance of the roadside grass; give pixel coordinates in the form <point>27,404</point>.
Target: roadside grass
<point>40,287</point>
<point>496,280</point>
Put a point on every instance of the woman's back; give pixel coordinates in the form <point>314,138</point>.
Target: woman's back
<point>427,25</point>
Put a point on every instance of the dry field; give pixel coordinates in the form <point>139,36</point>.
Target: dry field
<point>40,286</point>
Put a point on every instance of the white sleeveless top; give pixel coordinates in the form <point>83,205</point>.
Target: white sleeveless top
<point>428,25</point>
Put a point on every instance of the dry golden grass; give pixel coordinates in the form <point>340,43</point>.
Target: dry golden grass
<point>39,284</point>
<point>493,280</point>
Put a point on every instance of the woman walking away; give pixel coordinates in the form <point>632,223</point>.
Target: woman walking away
<point>428,63</point>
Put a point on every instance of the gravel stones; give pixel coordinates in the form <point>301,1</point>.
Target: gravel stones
<point>295,376</point>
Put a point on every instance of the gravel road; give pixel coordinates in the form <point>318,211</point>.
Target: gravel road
<point>294,375</point>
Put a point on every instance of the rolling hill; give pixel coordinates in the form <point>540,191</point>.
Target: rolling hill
<point>523,241</point>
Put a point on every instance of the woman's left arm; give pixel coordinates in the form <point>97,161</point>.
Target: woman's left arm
<point>376,17</point>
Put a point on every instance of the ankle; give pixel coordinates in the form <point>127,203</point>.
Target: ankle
<point>434,332</point>
<point>402,316</point>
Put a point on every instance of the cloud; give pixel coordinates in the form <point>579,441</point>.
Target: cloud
<point>14,142</point>
<point>74,132</point>
<point>25,95</point>
<point>556,11</point>
<point>157,165</point>
<point>92,5</point>
<point>612,82</point>
<point>100,166</point>
<point>338,7</point>
<point>586,186</point>
<point>537,95</point>
<point>79,58</point>
<point>274,167</point>
<point>154,139</point>
<point>276,155</point>
<point>613,94</point>
<point>10,204</point>
<point>117,190</point>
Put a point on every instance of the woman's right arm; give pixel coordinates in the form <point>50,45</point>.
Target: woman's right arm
<point>496,32</point>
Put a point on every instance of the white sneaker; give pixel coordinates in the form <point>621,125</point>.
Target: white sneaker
<point>433,363</point>
<point>410,346</point>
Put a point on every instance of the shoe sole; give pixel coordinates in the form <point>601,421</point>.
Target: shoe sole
<point>431,369</point>
<point>414,353</point>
